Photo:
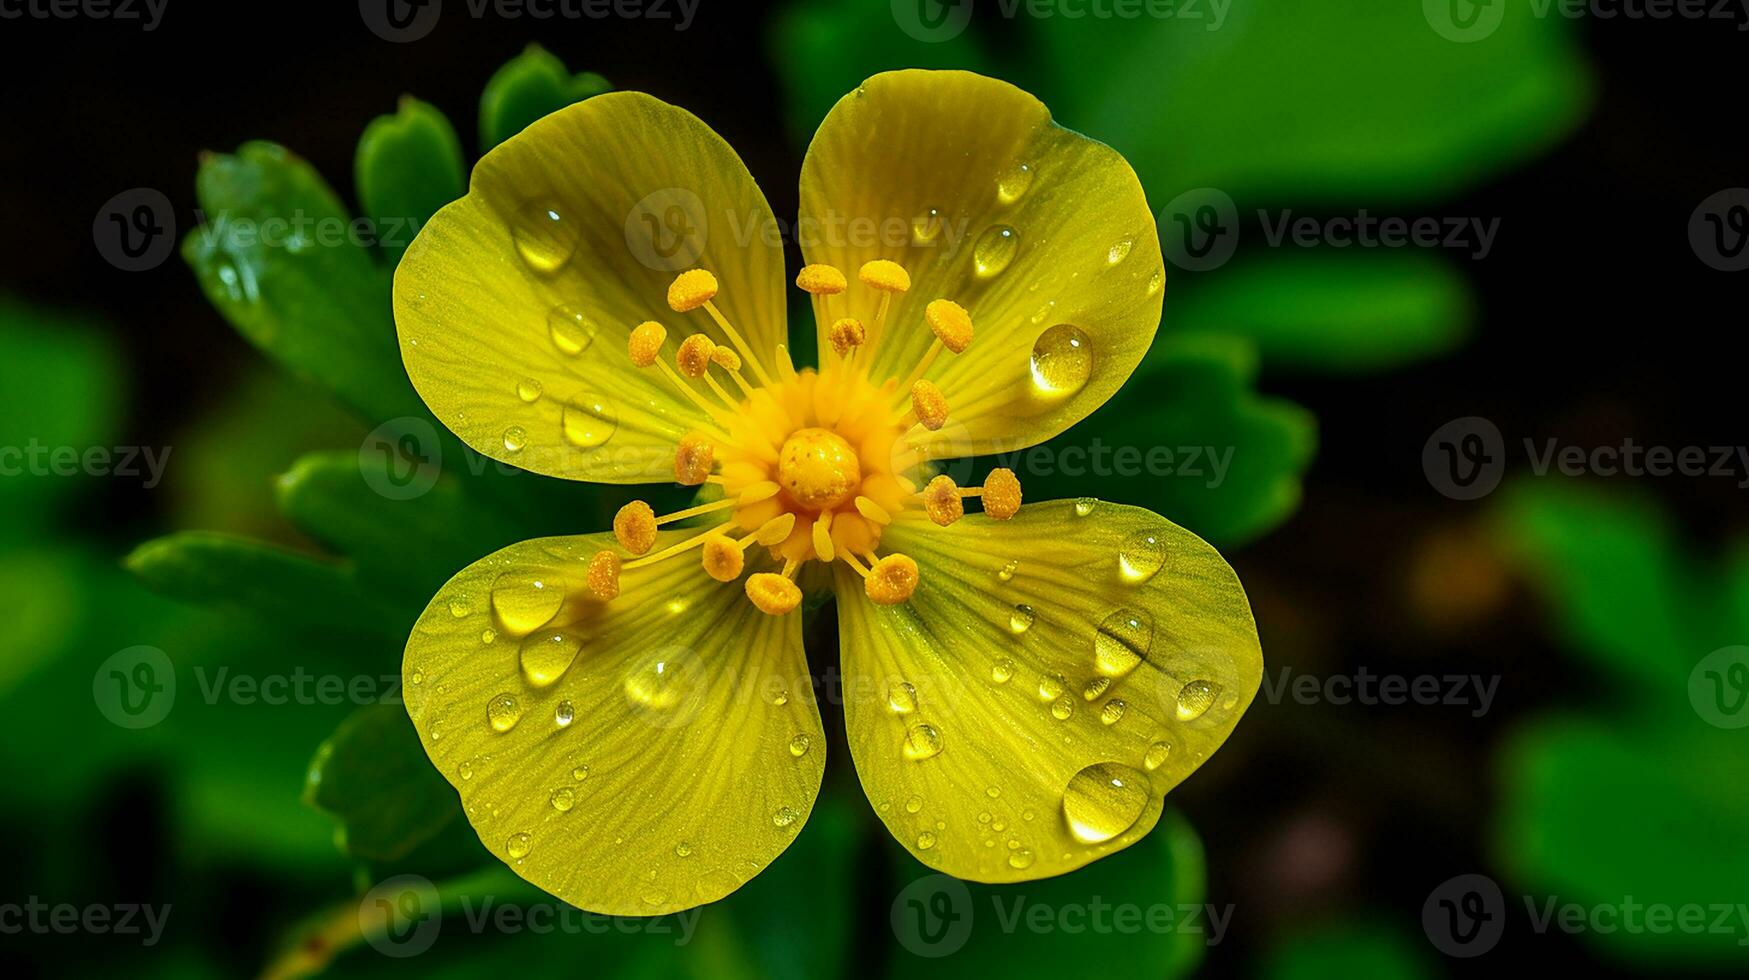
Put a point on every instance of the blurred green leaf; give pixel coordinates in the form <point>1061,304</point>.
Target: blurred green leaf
<point>279,259</point>
<point>1601,813</point>
<point>374,778</point>
<point>1327,311</point>
<point>1160,881</point>
<point>533,84</point>
<point>60,386</point>
<point>278,588</point>
<point>1187,437</point>
<point>1613,572</point>
<point>407,166</point>
<point>1361,99</point>
<point>1345,952</point>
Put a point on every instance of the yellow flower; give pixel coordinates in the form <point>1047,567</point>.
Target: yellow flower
<point>629,718</point>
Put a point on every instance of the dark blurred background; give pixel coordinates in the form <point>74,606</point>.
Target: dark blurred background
<point>1326,826</point>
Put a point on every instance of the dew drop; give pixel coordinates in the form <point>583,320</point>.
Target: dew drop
<point>460,606</point>
<point>545,240</point>
<point>926,840</point>
<point>564,713</point>
<point>1120,250</point>
<point>1013,185</point>
<point>518,845</point>
<point>1156,755</point>
<point>1095,688</point>
<point>588,420</point>
<point>683,849</point>
<point>1020,859</point>
<point>528,389</point>
<point>1062,360</point>
<point>524,601</point>
<point>1122,641</point>
<point>418,677</point>
<point>1020,620</point>
<point>545,655</point>
<point>488,635</point>
<point>902,698</point>
<point>798,746</point>
<point>1194,699</point>
<point>994,249</point>
<point>1038,315</point>
<point>1104,800</point>
<point>1141,555</point>
<point>1002,671</point>
<point>563,799</point>
<point>783,816</point>
<point>465,770</point>
<point>503,712</point>
<point>926,227</point>
<point>1085,505</point>
<point>1063,708</point>
<point>1156,280</point>
<point>657,684</point>
<point>1008,569</point>
<point>914,804</point>
<point>515,438</point>
<point>1113,711</point>
<point>922,742</point>
<point>570,331</point>
<point>580,773</point>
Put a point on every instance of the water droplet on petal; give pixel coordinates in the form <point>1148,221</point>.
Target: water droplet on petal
<point>798,746</point>
<point>1156,280</point>
<point>1194,699</point>
<point>544,239</point>
<point>563,799</point>
<point>1120,250</point>
<point>515,438</point>
<point>1141,555</point>
<point>503,712</point>
<point>1104,800</point>
<point>1085,505</point>
<point>683,849</point>
<point>902,698</point>
<point>1020,620</point>
<point>1020,859</point>
<point>1050,686</point>
<point>1009,567</point>
<point>926,226</point>
<point>518,845</point>
<point>459,607</point>
<point>465,770</point>
<point>921,742</point>
<point>994,249</point>
<point>914,804</point>
<point>1156,755</point>
<point>546,655</point>
<point>783,817</point>
<point>1063,708</point>
<point>524,601</point>
<point>564,713</point>
<point>528,389</point>
<point>580,773</point>
<point>1113,711</point>
<point>588,420</point>
<point>1122,641</point>
<point>1002,671</point>
<point>570,330</point>
<point>1013,185</point>
<point>1095,687</point>
<point>926,840</point>
<point>1062,360</point>
<point>657,684</point>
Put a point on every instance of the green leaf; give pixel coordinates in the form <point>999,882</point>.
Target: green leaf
<point>1598,813</point>
<point>1187,437</point>
<point>373,777</point>
<point>278,588</point>
<point>407,548</point>
<point>1347,951</point>
<point>533,84</point>
<point>1362,99</point>
<point>1614,575</point>
<point>407,166</point>
<point>1331,312</point>
<point>280,259</point>
<point>1151,899</point>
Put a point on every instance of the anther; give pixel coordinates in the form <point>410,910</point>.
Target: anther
<point>723,559</point>
<point>822,537</point>
<point>1001,494</point>
<point>645,344</point>
<point>726,359</point>
<point>929,405</point>
<point>950,323</point>
<point>694,357</point>
<point>603,575</point>
<point>691,290</point>
<point>942,501</point>
<point>692,460</point>
<point>885,275</point>
<point>846,335</point>
<point>821,280</point>
<point>873,511</point>
<point>891,580</point>
<point>634,527</point>
<point>775,531</point>
<point>773,594</point>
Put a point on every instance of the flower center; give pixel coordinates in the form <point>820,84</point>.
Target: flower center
<point>818,468</point>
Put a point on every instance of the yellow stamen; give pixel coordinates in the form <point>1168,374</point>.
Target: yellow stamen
<point>950,323</point>
<point>941,501</point>
<point>694,356</point>
<point>846,335</point>
<point>1001,494</point>
<point>603,575</point>
<point>873,511</point>
<point>634,527</point>
<point>715,505</point>
<point>928,405</point>
<point>723,559</point>
<point>773,594</point>
<point>790,567</point>
<point>692,460</point>
<point>691,290</point>
<point>645,343</point>
<point>891,580</point>
<point>885,275</point>
<point>740,344</point>
<point>856,566</point>
<point>822,535</point>
<point>775,531</point>
<point>763,490</point>
<point>821,280</point>
<point>675,549</point>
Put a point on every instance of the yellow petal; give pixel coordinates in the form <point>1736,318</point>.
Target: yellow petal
<point>636,758</point>
<point>514,303</point>
<point>1042,234</point>
<point>1053,676</point>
